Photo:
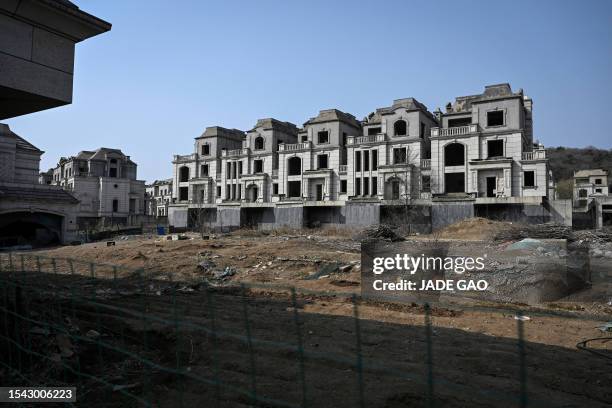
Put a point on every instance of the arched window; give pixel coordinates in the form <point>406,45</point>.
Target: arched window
<point>259,143</point>
<point>295,166</point>
<point>454,154</point>
<point>184,174</point>
<point>400,128</point>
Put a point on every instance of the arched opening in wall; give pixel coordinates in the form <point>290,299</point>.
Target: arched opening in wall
<point>259,143</point>
<point>454,154</point>
<point>251,193</point>
<point>295,166</point>
<point>26,228</point>
<point>400,128</point>
<point>184,174</point>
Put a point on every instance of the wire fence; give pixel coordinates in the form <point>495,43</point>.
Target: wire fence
<point>130,338</point>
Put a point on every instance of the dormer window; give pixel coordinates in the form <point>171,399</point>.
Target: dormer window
<point>259,143</point>
<point>323,137</point>
<point>495,118</point>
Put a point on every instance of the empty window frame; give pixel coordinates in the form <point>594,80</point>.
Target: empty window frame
<point>459,122</point>
<point>204,170</point>
<point>400,128</point>
<point>426,184</point>
<point>366,160</point>
<point>183,174</point>
<point>374,160</point>
<point>374,186</point>
<point>598,181</point>
<point>259,143</point>
<point>366,186</point>
<point>529,178</point>
<point>358,160</point>
<point>218,191</point>
<point>343,186</point>
<point>322,161</point>
<point>374,130</point>
<point>206,149</point>
<point>495,148</point>
<point>275,188</point>
<point>116,205</point>
<point>454,154</point>
<point>183,193</point>
<point>357,186</point>
<point>294,189</point>
<point>495,118</point>
<point>598,190</point>
<point>399,155</point>
<point>304,138</point>
<point>323,137</point>
<point>422,130</point>
<point>257,166</point>
<point>295,166</point>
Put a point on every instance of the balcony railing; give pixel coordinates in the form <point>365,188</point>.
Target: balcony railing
<point>535,155</point>
<point>355,140</point>
<point>426,163</point>
<point>236,152</point>
<point>454,131</point>
<point>342,169</point>
<point>294,146</point>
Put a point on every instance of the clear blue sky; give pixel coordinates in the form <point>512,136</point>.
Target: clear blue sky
<point>170,68</point>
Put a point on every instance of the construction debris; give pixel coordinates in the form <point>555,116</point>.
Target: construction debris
<point>384,232</point>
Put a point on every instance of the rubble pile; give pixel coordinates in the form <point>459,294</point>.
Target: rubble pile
<point>384,232</point>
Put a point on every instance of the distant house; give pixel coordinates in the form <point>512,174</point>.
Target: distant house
<point>158,195</point>
<point>105,183</point>
<point>589,184</point>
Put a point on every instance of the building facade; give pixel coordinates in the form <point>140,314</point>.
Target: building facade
<point>158,196</point>
<point>589,184</point>
<point>399,164</point>
<point>105,183</point>
<point>30,213</point>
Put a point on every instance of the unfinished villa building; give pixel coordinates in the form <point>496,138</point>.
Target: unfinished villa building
<point>400,165</point>
<point>484,161</point>
<point>158,196</point>
<point>105,183</point>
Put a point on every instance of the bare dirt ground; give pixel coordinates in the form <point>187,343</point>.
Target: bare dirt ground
<point>475,350</point>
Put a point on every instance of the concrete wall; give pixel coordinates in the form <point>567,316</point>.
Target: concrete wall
<point>228,218</point>
<point>560,211</point>
<point>178,216</point>
<point>443,214</point>
<point>362,214</point>
<point>287,216</point>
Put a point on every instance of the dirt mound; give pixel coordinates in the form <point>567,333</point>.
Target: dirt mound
<point>474,229</point>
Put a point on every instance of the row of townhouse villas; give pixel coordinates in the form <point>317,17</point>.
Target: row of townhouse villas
<point>401,164</point>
